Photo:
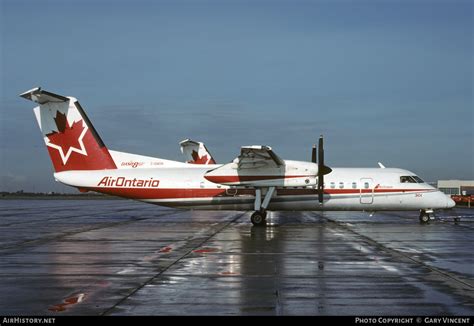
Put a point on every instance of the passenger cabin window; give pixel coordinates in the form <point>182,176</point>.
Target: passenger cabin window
<point>354,185</point>
<point>366,185</point>
<point>341,185</point>
<point>333,185</point>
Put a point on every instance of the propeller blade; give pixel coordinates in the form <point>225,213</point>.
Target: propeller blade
<point>321,150</point>
<point>313,154</point>
<point>320,170</point>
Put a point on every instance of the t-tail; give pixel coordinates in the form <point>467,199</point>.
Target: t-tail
<point>71,139</point>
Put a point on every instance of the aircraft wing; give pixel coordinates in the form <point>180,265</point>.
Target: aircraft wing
<point>260,167</point>
<point>258,156</point>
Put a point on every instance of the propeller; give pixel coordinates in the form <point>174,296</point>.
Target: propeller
<point>322,169</point>
<point>313,154</point>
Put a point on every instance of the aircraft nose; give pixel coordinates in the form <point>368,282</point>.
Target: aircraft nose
<point>450,203</point>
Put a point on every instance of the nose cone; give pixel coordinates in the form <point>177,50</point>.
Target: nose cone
<point>450,203</point>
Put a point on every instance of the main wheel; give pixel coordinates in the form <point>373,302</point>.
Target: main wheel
<point>424,218</point>
<point>258,219</point>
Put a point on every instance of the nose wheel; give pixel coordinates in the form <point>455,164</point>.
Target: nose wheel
<point>424,217</point>
<point>259,218</point>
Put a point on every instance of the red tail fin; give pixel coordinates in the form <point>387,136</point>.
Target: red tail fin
<point>71,139</point>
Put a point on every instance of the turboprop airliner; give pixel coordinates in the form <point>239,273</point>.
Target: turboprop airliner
<point>256,180</point>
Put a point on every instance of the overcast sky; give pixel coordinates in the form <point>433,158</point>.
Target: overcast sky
<point>388,81</point>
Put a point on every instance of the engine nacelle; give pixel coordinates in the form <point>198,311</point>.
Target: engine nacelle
<point>292,174</point>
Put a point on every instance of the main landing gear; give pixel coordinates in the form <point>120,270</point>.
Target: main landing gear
<point>425,216</point>
<point>258,218</point>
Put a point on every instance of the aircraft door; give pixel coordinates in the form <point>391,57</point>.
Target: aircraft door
<point>366,191</point>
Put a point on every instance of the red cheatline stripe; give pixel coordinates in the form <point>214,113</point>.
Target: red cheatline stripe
<point>243,178</point>
<point>147,193</point>
<point>347,191</point>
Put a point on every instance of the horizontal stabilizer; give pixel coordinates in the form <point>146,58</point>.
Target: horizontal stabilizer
<point>42,97</point>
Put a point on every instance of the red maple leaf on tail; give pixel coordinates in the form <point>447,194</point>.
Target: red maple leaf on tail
<point>197,159</point>
<point>67,136</point>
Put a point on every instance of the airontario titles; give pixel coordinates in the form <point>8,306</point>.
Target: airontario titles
<point>125,182</point>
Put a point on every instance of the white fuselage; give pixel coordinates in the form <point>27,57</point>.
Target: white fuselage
<point>257,179</point>
<point>184,186</point>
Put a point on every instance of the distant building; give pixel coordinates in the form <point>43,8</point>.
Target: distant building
<point>456,187</point>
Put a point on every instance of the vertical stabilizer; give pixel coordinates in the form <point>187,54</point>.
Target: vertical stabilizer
<point>71,139</point>
<point>196,152</point>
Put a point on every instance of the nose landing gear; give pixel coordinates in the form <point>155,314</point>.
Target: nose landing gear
<point>425,216</point>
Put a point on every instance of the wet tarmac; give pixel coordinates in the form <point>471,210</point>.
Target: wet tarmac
<point>114,257</point>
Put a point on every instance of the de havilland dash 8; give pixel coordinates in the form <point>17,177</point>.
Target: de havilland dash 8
<point>258,179</point>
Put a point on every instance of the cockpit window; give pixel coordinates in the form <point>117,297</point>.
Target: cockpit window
<point>410,179</point>
<point>418,179</point>
<point>407,179</point>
